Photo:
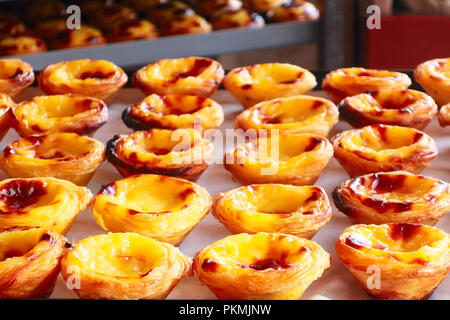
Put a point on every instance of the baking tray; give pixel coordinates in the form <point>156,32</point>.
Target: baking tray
<point>336,283</point>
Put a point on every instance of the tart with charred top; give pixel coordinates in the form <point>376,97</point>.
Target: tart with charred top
<point>296,10</point>
<point>444,115</point>
<point>41,202</point>
<point>240,18</point>
<point>393,197</point>
<point>209,8</point>
<point>61,155</point>
<point>261,82</point>
<point>182,153</point>
<point>99,79</point>
<point>23,44</point>
<point>300,211</point>
<point>30,261</point>
<point>196,76</point>
<point>404,107</point>
<point>156,206</point>
<point>6,105</point>
<point>15,76</point>
<point>382,148</point>
<point>434,77</point>
<point>263,266</point>
<point>173,112</point>
<point>133,30</point>
<point>346,82</point>
<point>125,266</point>
<point>412,259</point>
<point>161,13</point>
<point>263,5</point>
<point>292,115</point>
<point>189,23</point>
<point>109,16</point>
<point>296,159</point>
<point>60,113</point>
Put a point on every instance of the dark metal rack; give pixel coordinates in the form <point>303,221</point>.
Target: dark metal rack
<point>328,32</point>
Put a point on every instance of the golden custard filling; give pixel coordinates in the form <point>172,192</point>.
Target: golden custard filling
<point>298,114</point>
<point>159,207</point>
<point>173,112</point>
<point>60,113</point>
<point>43,202</point>
<point>273,208</point>
<point>125,266</point>
<point>19,243</point>
<point>86,71</point>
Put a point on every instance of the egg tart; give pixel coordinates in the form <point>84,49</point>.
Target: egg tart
<point>161,13</point>
<point>263,5</point>
<point>173,112</point>
<point>296,159</point>
<point>261,82</point>
<point>297,114</point>
<point>434,77</point>
<point>60,113</point>
<point>41,202</point>
<point>240,18</point>
<point>13,28</point>
<point>66,156</point>
<point>346,82</point>
<point>133,30</point>
<point>182,153</point>
<point>156,206</point>
<point>109,16</point>
<point>296,10</point>
<point>94,78</point>
<point>186,24</point>
<point>15,77</point>
<point>300,211</point>
<point>86,36</point>
<point>30,261</point>
<point>263,266</point>
<point>381,148</point>
<point>6,104</point>
<point>412,259</point>
<point>23,44</point>
<point>125,266</point>
<point>393,197</point>
<point>209,8</point>
<point>404,107</point>
<point>196,76</point>
<point>444,115</point>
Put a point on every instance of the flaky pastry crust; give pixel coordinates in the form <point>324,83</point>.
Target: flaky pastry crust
<point>239,18</point>
<point>262,82</point>
<point>411,259</point>
<point>382,148</point>
<point>61,155</point>
<point>183,76</point>
<point>156,206</point>
<point>263,266</point>
<point>292,115</point>
<point>99,79</point>
<point>209,8</point>
<point>393,197</point>
<point>434,77</point>
<point>125,266</point>
<point>296,159</point>
<point>300,211</point>
<point>182,153</point>
<point>346,82</point>
<point>296,10</point>
<point>444,115</point>
<point>21,44</point>
<point>405,107</point>
<point>15,77</point>
<point>6,105</point>
<point>59,113</point>
<point>30,260</point>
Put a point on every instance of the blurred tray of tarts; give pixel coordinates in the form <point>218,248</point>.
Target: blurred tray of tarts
<point>361,178</point>
<point>28,27</point>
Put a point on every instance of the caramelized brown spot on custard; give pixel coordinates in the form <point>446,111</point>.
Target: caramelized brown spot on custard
<point>96,75</point>
<point>209,265</point>
<point>404,231</point>
<point>265,264</point>
<point>186,193</point>
<point>313,143</point>
<point>246,86</point>
<point>199,66</point>
<point>382,130</point>
<point>383,183</point>
<point>357,242</point>
<point>17,194</point>
<point>316,104</point>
